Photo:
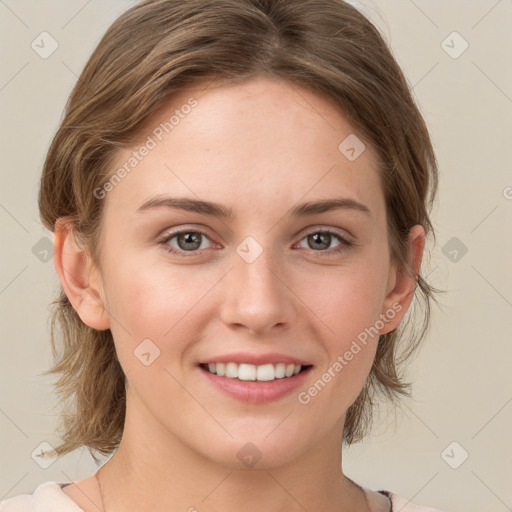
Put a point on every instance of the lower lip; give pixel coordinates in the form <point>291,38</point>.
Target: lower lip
<point>257,392</point>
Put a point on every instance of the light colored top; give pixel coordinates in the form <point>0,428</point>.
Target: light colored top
<point>49,497</point>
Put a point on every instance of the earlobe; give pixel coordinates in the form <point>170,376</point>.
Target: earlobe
<point>403,283</point>
<point>77,275</point>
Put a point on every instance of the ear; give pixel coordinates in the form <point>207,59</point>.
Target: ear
<point>79,278</point>
<point>401,285</point>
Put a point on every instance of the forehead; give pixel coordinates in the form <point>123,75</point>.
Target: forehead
<point>262,141</point>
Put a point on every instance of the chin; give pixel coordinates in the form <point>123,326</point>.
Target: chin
<point>254,452</point>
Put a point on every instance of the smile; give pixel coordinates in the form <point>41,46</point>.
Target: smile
<point>255,384</point>
<point>251,372</point>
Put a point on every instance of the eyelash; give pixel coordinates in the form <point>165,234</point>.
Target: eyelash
<point>344,245</point>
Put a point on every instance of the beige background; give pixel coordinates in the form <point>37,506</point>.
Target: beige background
<point>463,388</point>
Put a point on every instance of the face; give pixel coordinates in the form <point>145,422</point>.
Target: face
<point>274,282</point>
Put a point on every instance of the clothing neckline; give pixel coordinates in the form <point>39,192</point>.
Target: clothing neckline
<point>378,501</point>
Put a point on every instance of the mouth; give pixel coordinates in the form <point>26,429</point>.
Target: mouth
<point>255,384</point>
<point>256,373</point>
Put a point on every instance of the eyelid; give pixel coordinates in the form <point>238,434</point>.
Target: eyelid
<point>168,235</point>
<point>345,244</point>
<point>346,241</point>
<point>342,233</point>
<point>314,229</point>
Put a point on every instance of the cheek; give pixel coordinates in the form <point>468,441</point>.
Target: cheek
<point>346,304</point>
<point>345,309</point>
<point>346,299</point>
<point>158,302</point>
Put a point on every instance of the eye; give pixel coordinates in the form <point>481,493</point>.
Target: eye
<point>187,240</point>
<point>191,241</point>
<point>322,239</point>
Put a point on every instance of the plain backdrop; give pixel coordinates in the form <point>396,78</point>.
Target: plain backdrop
<point>450,447</point>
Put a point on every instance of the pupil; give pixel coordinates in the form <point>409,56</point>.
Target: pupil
<point>189,238</point>
<point>316,236</point>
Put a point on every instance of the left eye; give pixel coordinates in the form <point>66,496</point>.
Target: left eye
<point>191,241</point>
<point>321,239</point>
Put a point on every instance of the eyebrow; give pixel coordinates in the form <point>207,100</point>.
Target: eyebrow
<point>218,210</point>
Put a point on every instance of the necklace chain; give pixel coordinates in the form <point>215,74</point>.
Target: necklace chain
<point>365,499</point>
<point>97,475</point>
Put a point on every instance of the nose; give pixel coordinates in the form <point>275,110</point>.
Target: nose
<point>259,296</point>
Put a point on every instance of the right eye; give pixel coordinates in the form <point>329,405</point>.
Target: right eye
<point>187,240</point>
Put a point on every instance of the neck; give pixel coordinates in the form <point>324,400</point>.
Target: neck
<point>161,473</point>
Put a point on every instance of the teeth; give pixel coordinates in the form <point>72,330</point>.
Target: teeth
<point>280,370</point>
<point>248,372</point>
<point>231,370</point>
<point>265,372</point>
<point>221,369</point>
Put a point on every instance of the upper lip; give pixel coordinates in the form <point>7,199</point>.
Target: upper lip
<point>256,359</point>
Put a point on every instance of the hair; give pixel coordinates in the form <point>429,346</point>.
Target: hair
<point>160,47</point>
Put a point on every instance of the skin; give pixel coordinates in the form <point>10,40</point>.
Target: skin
<point>260,148</point>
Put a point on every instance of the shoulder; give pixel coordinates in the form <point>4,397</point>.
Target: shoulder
<point>402,504</point>
<point>48,496</point>
<point>386,501</point>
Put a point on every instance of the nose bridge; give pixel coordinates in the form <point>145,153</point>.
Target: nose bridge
<point>258,269</point>
<point>257,296</point>
<point>261,273</point>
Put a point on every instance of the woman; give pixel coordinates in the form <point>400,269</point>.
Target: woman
<point>239,193</point>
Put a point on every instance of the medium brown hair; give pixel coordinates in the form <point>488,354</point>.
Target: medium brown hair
<point>160,47</point>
